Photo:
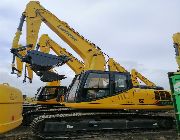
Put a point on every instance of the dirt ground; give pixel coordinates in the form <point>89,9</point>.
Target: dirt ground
<point>24,133</point>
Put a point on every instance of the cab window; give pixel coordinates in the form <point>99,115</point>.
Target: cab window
<point>97,86</point>
<point>120,82</point>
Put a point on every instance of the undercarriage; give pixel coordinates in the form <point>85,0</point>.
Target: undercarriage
<point>67,121</point>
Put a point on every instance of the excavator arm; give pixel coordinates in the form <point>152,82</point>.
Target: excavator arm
<point>135,75</point>
<point>35,14</point>
<point>46,43</point>
<point>15,45</point>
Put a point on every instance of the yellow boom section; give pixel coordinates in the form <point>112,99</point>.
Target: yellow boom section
<point>46,43</point>
<point>135,75</point>
<point>176,39</point>
<point>35,14</point>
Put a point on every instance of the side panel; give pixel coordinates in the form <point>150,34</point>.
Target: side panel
<point>113,90</point>
<point>11,116</point>
<point>133,99</point>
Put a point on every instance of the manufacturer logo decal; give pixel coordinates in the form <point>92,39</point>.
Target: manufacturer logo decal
<point>66,32</point>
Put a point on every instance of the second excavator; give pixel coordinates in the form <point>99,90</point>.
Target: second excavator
<point>46,44</point>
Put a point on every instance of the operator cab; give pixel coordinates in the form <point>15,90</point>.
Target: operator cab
<point>92,85</point>
<point>50,92</point>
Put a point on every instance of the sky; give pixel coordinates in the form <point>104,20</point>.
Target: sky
<point>137,34</point>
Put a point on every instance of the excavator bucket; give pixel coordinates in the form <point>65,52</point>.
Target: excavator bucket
<point>40,61</point>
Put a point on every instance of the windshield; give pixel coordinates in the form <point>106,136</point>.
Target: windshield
<point>72,89</point>
<point>97,80</point>
<point>96,86</point>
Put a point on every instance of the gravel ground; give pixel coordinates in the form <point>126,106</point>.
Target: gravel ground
<point>24,133</point>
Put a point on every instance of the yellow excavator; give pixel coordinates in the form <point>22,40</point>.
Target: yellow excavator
<point>11,101</point>
<point>97,99</point>
<point>46,44</point>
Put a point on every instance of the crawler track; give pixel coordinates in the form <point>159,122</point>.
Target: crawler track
<point>62,125</point>
<point>30,115</point>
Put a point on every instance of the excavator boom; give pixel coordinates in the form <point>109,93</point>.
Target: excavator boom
<point>35,14</point>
